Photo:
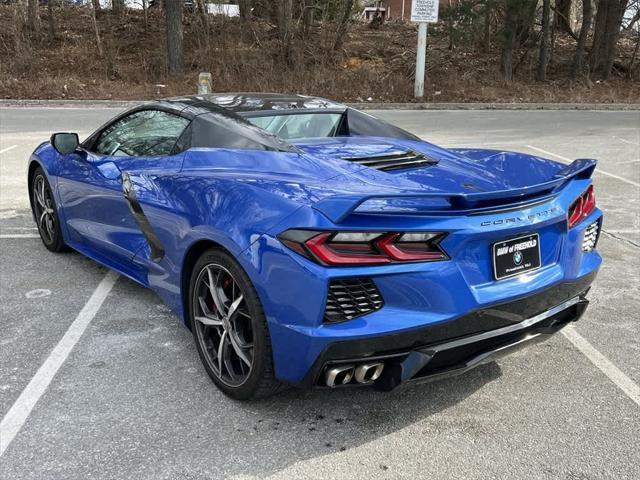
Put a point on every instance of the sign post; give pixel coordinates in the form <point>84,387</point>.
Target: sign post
<point>422,12</point>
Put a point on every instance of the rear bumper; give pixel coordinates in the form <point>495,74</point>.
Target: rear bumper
<point>456,346</point>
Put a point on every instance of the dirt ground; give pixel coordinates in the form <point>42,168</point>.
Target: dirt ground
<point>373,65</point>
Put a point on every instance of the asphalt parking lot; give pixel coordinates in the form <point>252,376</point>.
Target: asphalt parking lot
<point>131,400</point>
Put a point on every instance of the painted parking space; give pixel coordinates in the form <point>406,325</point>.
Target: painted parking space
<point>132,400</point>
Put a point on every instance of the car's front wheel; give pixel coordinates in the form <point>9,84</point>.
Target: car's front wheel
<point>45,213</point>
<point>229,328</point>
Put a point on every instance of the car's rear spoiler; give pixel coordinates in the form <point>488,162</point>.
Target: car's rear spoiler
<point>338,207</point>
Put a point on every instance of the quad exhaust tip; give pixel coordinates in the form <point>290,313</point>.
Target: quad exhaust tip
<point>368,372</point>
<point>363,373</point>
<point>339,375</point>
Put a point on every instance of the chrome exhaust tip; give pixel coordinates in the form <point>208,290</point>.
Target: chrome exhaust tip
<point>339,375</point>
<point>368,372</point>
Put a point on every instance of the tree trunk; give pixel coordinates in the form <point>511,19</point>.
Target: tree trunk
<point>545,41</point>
<point>508,39</point>
<point>33,15</point>
<point>578,59</point>
<point>563,15</point>
<point>52,21</point>
<point>605,38</point>
<point>173,13</point>
<point>145,11</point>
<point>118,6</point>
<point>204,21</point>
<point>486,26</point>
<point>245,10</point>
<point>343,26</point>
<point>96,5</point>
<point>97,31</point>
<point>284,14</point>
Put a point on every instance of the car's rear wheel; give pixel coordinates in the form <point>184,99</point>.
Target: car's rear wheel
<point>43,205</point>
<point>229,328</point>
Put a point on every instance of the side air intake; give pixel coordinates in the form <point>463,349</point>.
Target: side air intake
<point>351,298</point>
<point>393,161</point>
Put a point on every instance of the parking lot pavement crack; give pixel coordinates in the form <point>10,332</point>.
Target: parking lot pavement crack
<point>622,239</point>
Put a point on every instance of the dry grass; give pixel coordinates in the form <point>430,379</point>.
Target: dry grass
<point>374,64</point>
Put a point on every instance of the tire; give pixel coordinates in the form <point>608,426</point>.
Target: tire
<point>235,348</point>
<point>45,213</point>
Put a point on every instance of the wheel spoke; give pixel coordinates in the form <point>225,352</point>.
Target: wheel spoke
<point>215,294</point>
<point>42,190</point>
<point>210,322</point>
<point>42,217</point>
<point>238,349</point>
<point>39,197</point>
<point>221,345</point>
<point>234,307</point>
<point>49,225</point>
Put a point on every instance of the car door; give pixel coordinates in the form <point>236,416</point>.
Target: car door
<point>97,214</point>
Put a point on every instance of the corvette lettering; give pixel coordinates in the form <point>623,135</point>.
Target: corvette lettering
<point>519,219</point>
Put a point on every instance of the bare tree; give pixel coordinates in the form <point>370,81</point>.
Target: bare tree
<point>145,12</point>
<point>173,13</point>
<point>508,39</point>
<point>283,10</point>
<point>563,15</point>
<point>578,59</point>
<point>245,7</point>
<point>52,20</point>
<point>33,15</point>
<point>343,25</point>
<point>204,21</point>
<point>118,6</point>
<point>96,5</point>
<point>605,38</point>
<point>545,41</point>
<point>96,30</point>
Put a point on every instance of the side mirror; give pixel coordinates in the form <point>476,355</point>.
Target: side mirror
<point>65,143</point>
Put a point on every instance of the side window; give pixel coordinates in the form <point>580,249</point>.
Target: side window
<point>145,133</point>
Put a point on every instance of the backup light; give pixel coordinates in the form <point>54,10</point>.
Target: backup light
<point>582,207</point>
<point>365,248</point>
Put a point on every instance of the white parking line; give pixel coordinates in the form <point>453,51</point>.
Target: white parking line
<point>565,159</point>
<point>20,410</point>
<point>624,383</point>
<point>627,141</point>
<point>4,150</point>
<point>20,235</point>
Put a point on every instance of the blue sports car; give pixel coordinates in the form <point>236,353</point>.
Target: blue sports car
<point>304,242</point>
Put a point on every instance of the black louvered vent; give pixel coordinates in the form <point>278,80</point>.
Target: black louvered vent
<point>351,298</point>
<point>393,161</point>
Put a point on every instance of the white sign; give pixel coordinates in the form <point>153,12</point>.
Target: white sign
<point>225,9</point>
<point>424,11</point>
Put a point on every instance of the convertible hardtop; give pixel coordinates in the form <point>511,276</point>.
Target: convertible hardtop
<point>221,120</point>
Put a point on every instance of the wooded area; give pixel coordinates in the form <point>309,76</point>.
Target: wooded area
<point>511,45</point>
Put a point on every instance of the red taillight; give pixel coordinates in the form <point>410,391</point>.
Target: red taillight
<point>364,248</point>
<point>589,201</point>
<point>341,253</point>
<point>582,207</point>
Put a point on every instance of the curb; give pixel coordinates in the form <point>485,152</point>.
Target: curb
<point>360,106</point>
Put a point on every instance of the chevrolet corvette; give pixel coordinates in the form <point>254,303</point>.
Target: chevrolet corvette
<point>306,243</point>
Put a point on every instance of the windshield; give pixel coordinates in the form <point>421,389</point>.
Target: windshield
<point>303,125</point>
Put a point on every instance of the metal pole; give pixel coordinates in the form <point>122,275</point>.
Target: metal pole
<point>420,59</point>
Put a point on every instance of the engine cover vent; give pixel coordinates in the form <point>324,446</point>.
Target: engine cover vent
<point>351,298</point>
<point>394,161</point>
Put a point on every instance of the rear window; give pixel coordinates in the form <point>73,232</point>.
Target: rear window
<point>300,125</point>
